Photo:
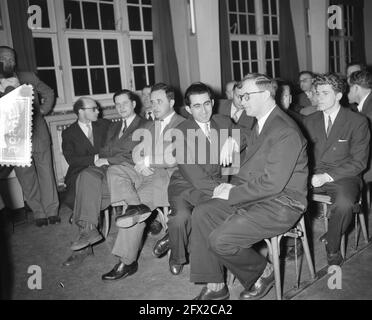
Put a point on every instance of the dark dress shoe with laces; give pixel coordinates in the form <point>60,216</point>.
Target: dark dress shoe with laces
<point>161,246</point>
<point>155,228</point>
<point>206,294</point>
<point>54,220</point>
<point>77,257</point>
<point>259,289</point>
<point>120,271</point>
<point>174,268</point>
<point>133,215</point>
<point>335,259</point>
<point>41,222</point>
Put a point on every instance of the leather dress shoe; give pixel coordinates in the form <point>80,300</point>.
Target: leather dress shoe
<point>259,289</point>
<point>54,220</point>
<point>133,215</point>
<point>335,259</point>
<point>87,237</point>
<point>120,271</point>
<point>155,227</point>
<point>77,257</point>
<point>206,294</point>
<point>41,222</point>
<point>174,268</point>
<point>161,246</point>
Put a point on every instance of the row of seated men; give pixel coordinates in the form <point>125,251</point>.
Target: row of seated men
<point>215,218</point>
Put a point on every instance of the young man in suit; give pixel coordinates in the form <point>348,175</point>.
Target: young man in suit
<point>37,181</point>
<point>339,140</point>
<point>266,198</point>
<point>92,192</point>
<point>81,143</point>
<point>194,181</point>
<point>142,182</point>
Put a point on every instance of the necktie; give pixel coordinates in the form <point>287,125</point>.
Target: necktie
<point>90,133</point>
<point>235,116</point>
<point>208,131</point>
<point>149,116</point>
<point>124,128</point>
<point>329,127</point>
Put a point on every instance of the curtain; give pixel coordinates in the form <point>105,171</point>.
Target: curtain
<point>287,44</point>
<point>226,72</point>
<point>23,42</point>
<point>166,67</point>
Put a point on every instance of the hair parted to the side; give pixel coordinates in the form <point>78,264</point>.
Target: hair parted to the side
<point>337,84</point>
<point>130,94</point>
<point>169,91</point>
<point>262,81</point>
<point>361,78</point>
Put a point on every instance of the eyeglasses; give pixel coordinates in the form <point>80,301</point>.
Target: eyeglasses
<point>246,95</point>
<point>93,108</point>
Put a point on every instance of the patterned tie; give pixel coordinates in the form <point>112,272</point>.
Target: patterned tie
<point>208,131</point>
<point>149,116</point>
<point>329,127</point>
<point>235,116</point>
<point>125,128</point>
<point>90,133</point>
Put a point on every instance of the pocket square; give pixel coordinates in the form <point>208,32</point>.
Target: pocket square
<point>342,140</point>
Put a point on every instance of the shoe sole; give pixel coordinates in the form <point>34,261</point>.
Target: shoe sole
<point>122,277</point>
<point>268,288</point>
<point>127,222</point>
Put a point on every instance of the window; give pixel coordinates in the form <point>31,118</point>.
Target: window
<point>341,42</point>
<point>254,36</point>
<point>94,47</point>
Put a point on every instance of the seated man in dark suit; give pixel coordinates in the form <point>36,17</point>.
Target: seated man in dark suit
<point>339,143</point>
<point>92,192</point>
<point>266,198</point>
<point>195,180</point>
<point>303,99</point>
<point>81,143</point>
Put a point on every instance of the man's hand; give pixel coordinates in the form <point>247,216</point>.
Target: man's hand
<point>222,191</point>
<point>318,180</point>
<point>142,168</point>
<point>101,162</point>
<point>227,151</point>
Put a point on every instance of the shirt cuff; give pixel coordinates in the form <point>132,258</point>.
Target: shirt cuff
<point>329,178</point>
<point>146,161</point>
<point>96,157</point>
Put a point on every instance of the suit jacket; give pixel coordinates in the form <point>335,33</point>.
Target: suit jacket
<point>199,172</point>
<point>224,108</point>
<point>275,164</point>
<point>301,101</point>
<point>78,150</point>
<point>116,150</point>
<point>345,152</point>
<point>40,133</point>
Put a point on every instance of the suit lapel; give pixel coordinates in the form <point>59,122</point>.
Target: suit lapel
<point>133,126</point>
<point>81,136</point>
<point>96,135</point>
<point>337,128</point>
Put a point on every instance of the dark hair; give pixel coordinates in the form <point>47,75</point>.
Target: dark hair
<point>280,90</point>
<point>130,94</point>
<point>306,72</point>
<point>197,88</point>
<point>332,79</point>
<point>79,104</point>
<point>169,91</point>
<point>362,78</point>
<point>263,82</point>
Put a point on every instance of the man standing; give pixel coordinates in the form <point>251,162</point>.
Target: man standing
<point>92,192</point>
<point>266,198</point>
<point>81,143</point>
<point>198,172</point>
<point>38,180</point>
<point>143,185</point>
<point>340,147</point>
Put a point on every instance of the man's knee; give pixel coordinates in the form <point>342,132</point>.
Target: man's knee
<point>201,211</point>
<point>179,218</point>
<point>219,244</point>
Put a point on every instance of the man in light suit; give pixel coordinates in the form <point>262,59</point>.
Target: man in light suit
<point>339,140</point>
<point>92,192</point>
<point>195,180</point>
<point>38,180</point>
<point>266,198</point>
<point>143,186</point>
<point>81,143</point>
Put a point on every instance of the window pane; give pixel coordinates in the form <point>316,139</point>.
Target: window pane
<point>147,22</point>
<point>245,68</point>
<point>269,69</point>
<point>243,24</point>
<point>97,77</point>
<point>245,55</point>
<point>49,77</point>
<point>114,80</point>
<point>77,52</point>
<point>237,74</point>
<point>72,14</point>
<point>252,24</point>
<point>254,67</point>
<point>139,77</point>
<point>133,1</point>
<point>277,69</point>
<point>134,18</point>
<point>44,11</point>
<point>232,5</point>
<point>253,50</point>
<point>266,25</point>
<point>80,78</point>
<point>235,50</point>
<point>151,70</point>
<point>273,7</point>
<point>111,52</point>
<point>276,49</point>
<point>137,51</point>
<point>331,50</point>
<point>146,2</point>
<point>95,52</point>
<point>44,52</point>
<point>251,8</point>
<point>107,16</point>
<point>233,24</point>
<point>275,25</point>
<point>268,50</point>
<point>149,51</point>
<point>265,5</point>
<point>241,4</point>
<point>90,12</point>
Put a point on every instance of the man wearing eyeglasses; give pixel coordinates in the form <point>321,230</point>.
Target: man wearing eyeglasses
<point>304,99</point>
<point>266,198</point>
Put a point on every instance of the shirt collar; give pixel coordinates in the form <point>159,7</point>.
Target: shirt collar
<point>202,125</point>
<point>235,110</point>
<point>168,119</point>
<point>361,103</point>
<point>129,120</point>
<point>333,115</point>
<point>262,121</point>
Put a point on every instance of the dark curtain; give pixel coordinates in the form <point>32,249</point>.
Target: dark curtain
<point>287,44</point>
<point>226,72</point>
<point>166,68</point>
<point>21,35</point>
<point>358,47</point>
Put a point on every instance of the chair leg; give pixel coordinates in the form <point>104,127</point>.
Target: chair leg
<point>325,213</point>
<point>275,258</point>
<point>363,226</point>
<point>306,248</point>
<point>343,248</point>
<point>356,232</point>
<point>107,223</point>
